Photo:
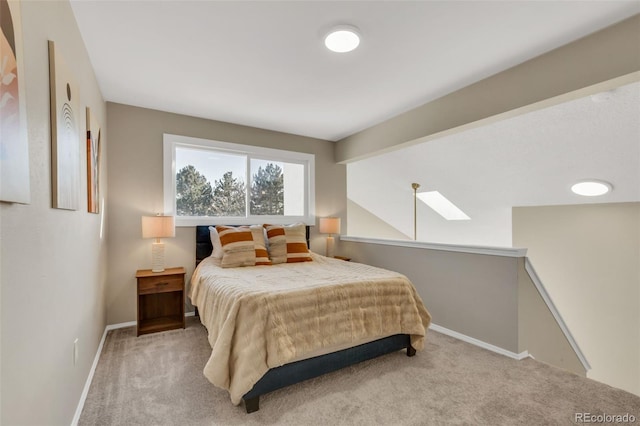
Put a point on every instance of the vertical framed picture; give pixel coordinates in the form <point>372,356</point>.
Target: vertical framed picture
<point>93,164</point>
<point>14,145</point>
<point>65,134</point>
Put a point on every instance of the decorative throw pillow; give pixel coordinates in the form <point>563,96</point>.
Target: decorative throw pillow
<point>262,256</point>
<point>288,243</point>
<point>215,242</point>
<point>277,243</point>
<point>238,248</point>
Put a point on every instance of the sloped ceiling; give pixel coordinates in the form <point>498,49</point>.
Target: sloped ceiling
<point>263,64</point>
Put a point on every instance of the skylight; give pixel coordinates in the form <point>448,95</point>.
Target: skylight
<point>441,205</point>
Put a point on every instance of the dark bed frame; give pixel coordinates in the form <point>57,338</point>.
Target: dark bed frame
<point>299,371</point>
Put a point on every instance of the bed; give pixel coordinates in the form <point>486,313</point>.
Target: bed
<point>273,326</point>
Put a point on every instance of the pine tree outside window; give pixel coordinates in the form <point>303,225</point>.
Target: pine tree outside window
<point>267,189</point>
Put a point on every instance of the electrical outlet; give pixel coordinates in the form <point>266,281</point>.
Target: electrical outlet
<point>75,351</point>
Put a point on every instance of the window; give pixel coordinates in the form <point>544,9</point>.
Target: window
<point>210,182</point>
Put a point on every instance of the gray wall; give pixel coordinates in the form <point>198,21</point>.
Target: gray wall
<point>489,298</point>
<point>135,182</point>
<point>53,262</point>
<point>473,294</point>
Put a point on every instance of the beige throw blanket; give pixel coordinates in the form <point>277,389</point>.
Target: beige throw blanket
<point>262,317</point>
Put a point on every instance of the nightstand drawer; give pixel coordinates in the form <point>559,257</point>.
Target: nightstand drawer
<point>161,284</point>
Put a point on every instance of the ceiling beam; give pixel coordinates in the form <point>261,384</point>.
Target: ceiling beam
<point>598,62</point>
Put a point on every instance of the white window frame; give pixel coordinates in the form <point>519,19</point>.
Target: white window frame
<point>171,142</point>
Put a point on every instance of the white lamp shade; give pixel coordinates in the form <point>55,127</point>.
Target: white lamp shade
<point>329,225</point>
<point>158,227</point>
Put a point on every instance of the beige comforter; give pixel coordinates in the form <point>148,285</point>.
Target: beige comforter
<point>262,317</point>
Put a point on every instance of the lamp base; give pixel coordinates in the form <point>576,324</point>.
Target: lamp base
<point>157,257</point>
<point>330,243</point>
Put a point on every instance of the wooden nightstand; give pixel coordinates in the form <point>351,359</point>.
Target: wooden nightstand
<point>160,300</point>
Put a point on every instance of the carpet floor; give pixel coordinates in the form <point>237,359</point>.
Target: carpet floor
<point>157,379</point>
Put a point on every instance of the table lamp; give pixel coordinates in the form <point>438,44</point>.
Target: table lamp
<point>330,225</point>
<point>158,227</point>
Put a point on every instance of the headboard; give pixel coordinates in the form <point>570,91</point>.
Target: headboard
<point>203,242</point>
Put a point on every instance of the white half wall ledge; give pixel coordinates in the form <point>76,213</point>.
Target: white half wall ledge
<point>488,250</point>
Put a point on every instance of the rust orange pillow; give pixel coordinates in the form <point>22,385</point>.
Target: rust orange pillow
<point>238,242</point>
<point>238,248</point>
<point>288,243</point>
<point>262,256</point>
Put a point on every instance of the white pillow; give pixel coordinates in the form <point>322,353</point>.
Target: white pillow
<point>215,242</point>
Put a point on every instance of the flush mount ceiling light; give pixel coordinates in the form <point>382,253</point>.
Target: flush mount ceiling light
<point>441,205</point>
<point>342,39</point>
<point>591,188</point>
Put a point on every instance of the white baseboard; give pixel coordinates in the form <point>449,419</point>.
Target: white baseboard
<point>120,325</point>
<point>480,343</point>
<point>87,384</point>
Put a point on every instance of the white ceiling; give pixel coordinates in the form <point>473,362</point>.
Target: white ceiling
<point>263,63</point>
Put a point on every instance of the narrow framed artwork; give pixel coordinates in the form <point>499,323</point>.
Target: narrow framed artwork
<point>65,134</point>
<point>93,164</point>
<point>14,144</point>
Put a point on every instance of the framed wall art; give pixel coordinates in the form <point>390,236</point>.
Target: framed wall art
<point>65,134</point>
<point>14,145</point>
<point>93,164</point>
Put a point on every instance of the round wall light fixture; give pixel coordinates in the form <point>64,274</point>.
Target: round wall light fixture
<point>591,188</point>
<point>342,39</point>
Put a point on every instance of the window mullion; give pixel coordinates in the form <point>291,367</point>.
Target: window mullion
<point>248,188</point>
